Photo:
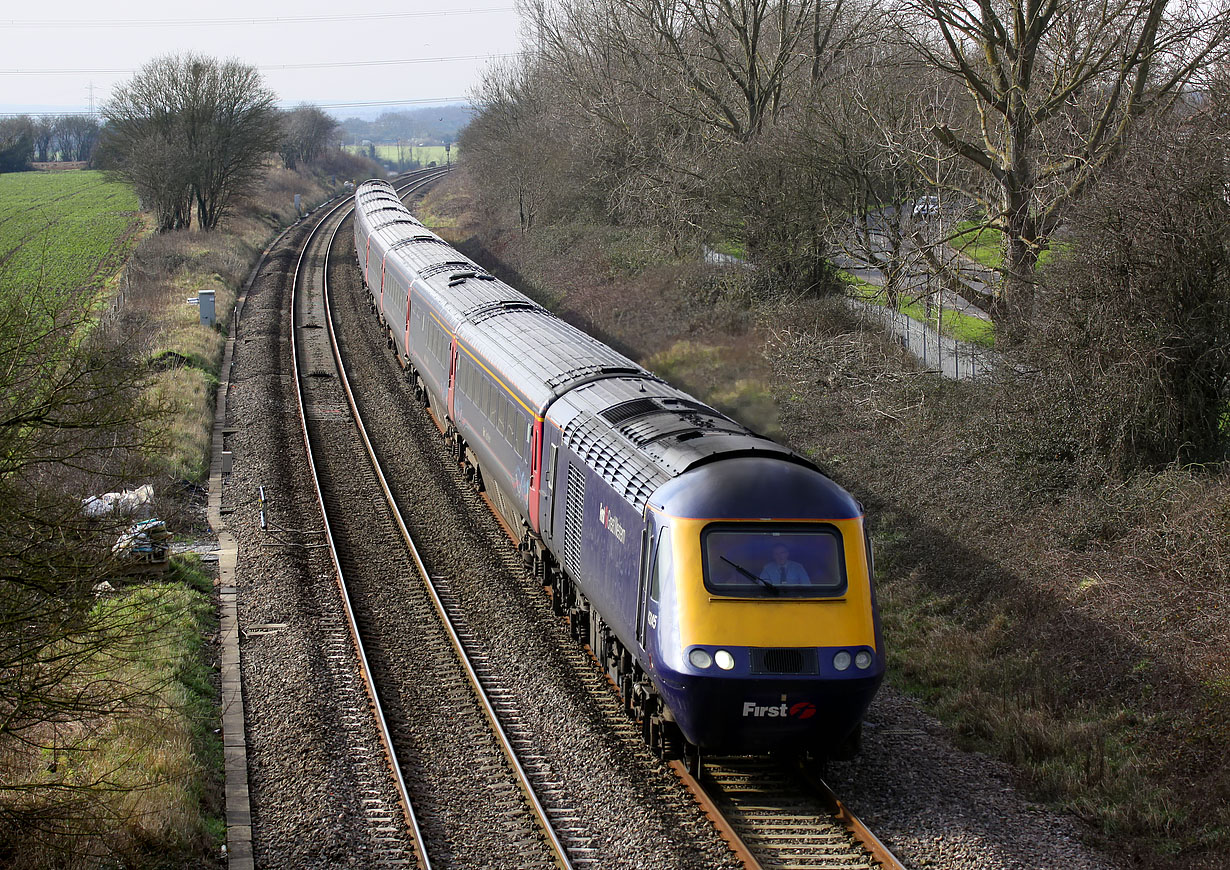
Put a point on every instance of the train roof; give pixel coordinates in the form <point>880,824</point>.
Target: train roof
<point>538,355</point>
<point>753,487</point>
<point>457,287</point>
<point>647,439</point>
<point>639,433</point>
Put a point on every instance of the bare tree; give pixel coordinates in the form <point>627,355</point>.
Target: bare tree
<point>44,133</point>
<point>76,136</point>
<point>190,128</point>
<point>74,419</point>
<point>722,63</point>
<point>1053,89</point>
<point>306,131</point>
<point>1128,364</point>
<point>522,145</point>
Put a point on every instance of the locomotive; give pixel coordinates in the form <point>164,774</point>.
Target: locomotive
<point>721,580</point>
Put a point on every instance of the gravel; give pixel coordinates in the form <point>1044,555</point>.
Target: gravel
<point>934,805</point>
<point>311,767</point>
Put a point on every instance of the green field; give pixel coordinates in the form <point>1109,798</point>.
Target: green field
<point>405,154</point>
<point>64,230</point>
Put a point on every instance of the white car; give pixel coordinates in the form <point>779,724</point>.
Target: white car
<point>926,207</point>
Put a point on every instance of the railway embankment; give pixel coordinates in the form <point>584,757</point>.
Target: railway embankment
<point>135,777</point>
<point>1057,640</point>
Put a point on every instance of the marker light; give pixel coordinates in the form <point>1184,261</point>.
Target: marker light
<point>862,661</point>
<point>699,658</point>
<point>724,660</point>
<point>841,661</point>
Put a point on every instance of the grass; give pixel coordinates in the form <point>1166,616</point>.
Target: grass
<point>170,268</point>
<point>156,751</point>
<point>962,327</point>
<point>731,248</point>
<point>982,243</point>
<point>985,245</point>
<point>64,231</point>
<point>1008,699</point>
<point>152,766</point>
<point>189,392</point>
<point>424,155</point>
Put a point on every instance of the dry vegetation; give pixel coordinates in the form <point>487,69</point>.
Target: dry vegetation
<point>1068,620</point>
<point>109,754</point>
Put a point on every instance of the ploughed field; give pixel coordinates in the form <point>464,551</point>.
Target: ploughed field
<point>64,230</point>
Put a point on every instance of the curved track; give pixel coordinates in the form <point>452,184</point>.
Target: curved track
<point>464,793</point>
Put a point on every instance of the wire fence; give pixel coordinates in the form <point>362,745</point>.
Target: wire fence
<point>958,360</point>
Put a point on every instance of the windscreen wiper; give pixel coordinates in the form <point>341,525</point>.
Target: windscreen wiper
<point>747,573</point>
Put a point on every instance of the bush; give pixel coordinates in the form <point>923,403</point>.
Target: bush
<point>1128,366</point>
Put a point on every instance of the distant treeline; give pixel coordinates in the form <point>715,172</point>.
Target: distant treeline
<point>436,125</point>
<point>47,138</point>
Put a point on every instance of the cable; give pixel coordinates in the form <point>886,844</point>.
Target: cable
<point>287,106</point>
<point>205,22</point>
<point>263,67</point>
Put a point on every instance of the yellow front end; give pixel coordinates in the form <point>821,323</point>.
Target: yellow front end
<point>846,620</point>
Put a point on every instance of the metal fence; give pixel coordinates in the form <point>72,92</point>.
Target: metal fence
<point>954,359</point>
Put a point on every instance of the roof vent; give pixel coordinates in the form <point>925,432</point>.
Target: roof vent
<point>627,410</point>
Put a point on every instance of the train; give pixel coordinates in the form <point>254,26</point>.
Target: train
<point>719,578</point>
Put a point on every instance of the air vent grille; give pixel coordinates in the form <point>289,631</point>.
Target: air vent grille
<point>447,266</point>
<point>784,661</point>
<point>627,410</point>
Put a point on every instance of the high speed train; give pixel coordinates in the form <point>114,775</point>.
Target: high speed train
<point>722,581</point>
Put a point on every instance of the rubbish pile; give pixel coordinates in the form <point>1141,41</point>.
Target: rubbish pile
<point>146,543</point>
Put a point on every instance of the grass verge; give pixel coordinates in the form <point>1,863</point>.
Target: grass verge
<point>138,785</point>
<point>954,324</point>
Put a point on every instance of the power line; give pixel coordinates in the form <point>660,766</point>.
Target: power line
<point>269,67</point>
<point>206,22</point>
<point>351,105</point>
<point>363,103</point>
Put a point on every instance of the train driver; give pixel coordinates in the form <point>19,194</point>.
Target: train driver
<point>783,571</point>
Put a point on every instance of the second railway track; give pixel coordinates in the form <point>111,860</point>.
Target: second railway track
<point>466,802</point>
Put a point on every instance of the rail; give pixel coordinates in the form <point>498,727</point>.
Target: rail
<point>556,847</point>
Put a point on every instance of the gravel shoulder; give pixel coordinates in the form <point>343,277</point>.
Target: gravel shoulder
<point>937,806</point>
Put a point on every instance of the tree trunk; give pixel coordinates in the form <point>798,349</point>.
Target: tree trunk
<point>1020,231</point>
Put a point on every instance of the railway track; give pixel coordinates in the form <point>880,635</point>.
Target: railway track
<point>464,793</point>
<point>768,814</point>
<point>776,816</point>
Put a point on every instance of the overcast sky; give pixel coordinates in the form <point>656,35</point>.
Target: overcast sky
<point>50,52</point>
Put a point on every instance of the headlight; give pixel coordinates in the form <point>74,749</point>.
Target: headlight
<point>724,660</point>
<point>862,661</point>
<point>699,658</point>
<point>841,661</point>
